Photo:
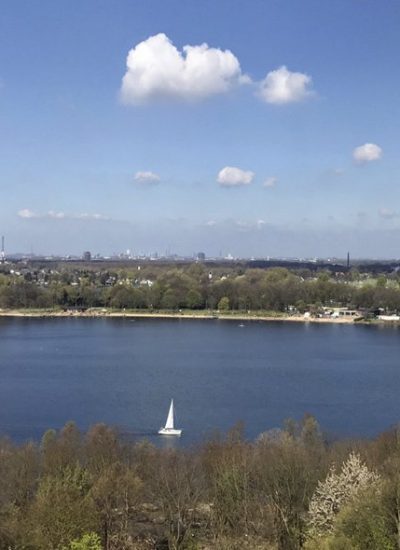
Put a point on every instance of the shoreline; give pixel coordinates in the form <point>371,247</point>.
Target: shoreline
<point>102,313</point>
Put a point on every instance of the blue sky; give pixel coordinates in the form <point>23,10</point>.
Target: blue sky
<point>177,157</point>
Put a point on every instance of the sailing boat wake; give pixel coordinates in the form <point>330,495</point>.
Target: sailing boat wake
<point>169,428</point>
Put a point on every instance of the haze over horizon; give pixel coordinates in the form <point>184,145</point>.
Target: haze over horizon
<point>255,128</point>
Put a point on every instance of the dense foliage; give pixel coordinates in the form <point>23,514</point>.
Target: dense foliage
<point>194,286</point>
<point>286,491</point>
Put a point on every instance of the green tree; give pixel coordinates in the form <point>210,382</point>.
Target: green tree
<point>381,281</point>
<point>62,510</point>
<point>194,299</point>
<point>223,304</point>
<point>169,300</point>
<point>89,541</point>
<point>365,523</point>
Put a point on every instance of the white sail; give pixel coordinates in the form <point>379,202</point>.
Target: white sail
<point>169,425</point>
<point>169,429</point>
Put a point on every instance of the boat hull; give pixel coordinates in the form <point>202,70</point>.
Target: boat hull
<point>169,431</point>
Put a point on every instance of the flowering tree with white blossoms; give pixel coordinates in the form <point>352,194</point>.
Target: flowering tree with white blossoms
<point>336,490</point>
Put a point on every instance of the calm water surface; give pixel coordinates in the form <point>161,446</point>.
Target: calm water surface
<point>124,372</point>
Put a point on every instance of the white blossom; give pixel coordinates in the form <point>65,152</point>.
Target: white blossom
<point>336,490</point>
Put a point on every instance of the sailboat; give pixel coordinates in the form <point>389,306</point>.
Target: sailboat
<point>169,429</point>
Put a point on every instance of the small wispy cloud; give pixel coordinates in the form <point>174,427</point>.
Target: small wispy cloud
<point>388,213</point>
<point>26,213</point>
<point>54,215</point>
<point>88,216</point>
<point>249,225</point>
<point>237,224</point>
<point>146,177</point>
<point>270,182</point>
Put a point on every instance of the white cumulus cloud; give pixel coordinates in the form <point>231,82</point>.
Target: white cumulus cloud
<point>146,177</point>
<point>230,176</point>
<point>283,86</point>
<point>270,182</point>
<point>367,153</point>
<point>157,69</point>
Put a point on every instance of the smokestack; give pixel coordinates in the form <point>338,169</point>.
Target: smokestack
<point>348,260</point>
<point>2,254</point>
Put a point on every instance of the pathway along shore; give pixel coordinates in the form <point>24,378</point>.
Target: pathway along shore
<point>107,313</point>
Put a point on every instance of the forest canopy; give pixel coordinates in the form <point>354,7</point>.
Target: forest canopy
<point>289,489</point>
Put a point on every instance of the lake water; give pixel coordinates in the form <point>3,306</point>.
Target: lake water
<point>124,372</point>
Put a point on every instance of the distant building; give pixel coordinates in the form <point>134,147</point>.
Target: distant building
<point>201,256</point>
<point>87,256</point>
<point>344,312</point>
<point>2,253</point>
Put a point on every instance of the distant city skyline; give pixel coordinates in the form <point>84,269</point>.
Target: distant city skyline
<point>200,255</point>
<point>258,128</point>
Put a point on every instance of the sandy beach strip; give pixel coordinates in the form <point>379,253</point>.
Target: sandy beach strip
<point>105,313</point>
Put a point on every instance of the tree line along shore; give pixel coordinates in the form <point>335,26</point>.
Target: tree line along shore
<point>197,289</point>
<point>290,489</point>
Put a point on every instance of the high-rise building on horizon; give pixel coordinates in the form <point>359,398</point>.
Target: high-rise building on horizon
<point>2,253</point>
